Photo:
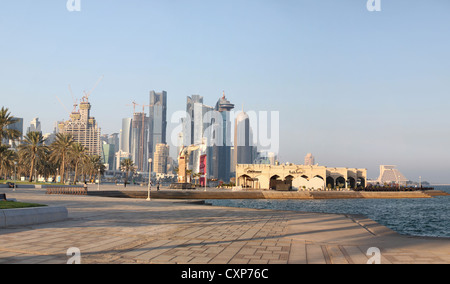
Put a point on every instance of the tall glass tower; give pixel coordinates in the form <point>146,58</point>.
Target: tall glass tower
<point>157,121</point>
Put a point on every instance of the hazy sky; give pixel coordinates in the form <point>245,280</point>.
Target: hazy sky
<point>353,87</point>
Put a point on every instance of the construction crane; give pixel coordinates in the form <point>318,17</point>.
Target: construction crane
<point>75,101</point>
<point>133,104</point>
<point>86,95</point>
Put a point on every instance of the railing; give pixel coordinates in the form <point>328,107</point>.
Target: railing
<point>67,190</point>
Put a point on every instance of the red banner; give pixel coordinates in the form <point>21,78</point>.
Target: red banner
<point>202,169</point>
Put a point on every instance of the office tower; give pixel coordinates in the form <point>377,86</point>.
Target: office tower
<point>161,156</point>
<point>243,142</point>
<point>18,125</point>
<point>83,128</point>
<point>108,155</point>
<point>194,112</point>
<point>220,151</point>
<point>125,135</point>
<point>157,120</point>
<point>35,126</point>
<point>309,160</point>
<point>139,141</point>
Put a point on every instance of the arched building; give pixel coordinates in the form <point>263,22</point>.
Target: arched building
<point>285,177</point>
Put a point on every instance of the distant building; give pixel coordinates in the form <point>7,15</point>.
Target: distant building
<point>300,177</point>
<point>139,141</point>
<point>389,174</point>
<point>83,128</point>
<point>309,160</point>
<point>18,125</point>
<point>125,135</point>
<point>108,155</point>
<point>35,126</point>
<point>219,146</point>
<point>243,142</point>
<point>157,121</point>
<point>160,158</point>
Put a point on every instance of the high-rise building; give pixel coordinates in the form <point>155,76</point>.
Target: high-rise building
<point>243,142</point>
<point>125,135</point>
<point>161,156</point>
<point>220,150</point>
<point>193,123</point>
<point>139,141</point>
<point>83,128</point>
<point>18,125</point>
<point>157,121</point>
<point>35,125</point>
<point>309,160</point>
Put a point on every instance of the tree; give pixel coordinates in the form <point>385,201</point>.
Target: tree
<point>60,149</point>
<point>33,149</point>
<point>7,119</point>
<point>7,159</point>
<point>127,166</point>
<point>92,165</point>
<point>78,155</point>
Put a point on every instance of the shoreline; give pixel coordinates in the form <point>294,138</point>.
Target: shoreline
<point>261,194</point>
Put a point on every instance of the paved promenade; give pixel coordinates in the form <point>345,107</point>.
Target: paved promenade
<point>113,230</point>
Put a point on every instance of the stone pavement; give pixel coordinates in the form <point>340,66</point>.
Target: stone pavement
<point>112,230</point>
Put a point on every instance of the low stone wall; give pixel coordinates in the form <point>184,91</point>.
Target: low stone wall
<point>32,216</point>
<point>257,194</point>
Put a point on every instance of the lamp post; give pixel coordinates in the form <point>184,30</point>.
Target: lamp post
<point>149,188</point>
<point>98,184</point>
<point>15,175</point>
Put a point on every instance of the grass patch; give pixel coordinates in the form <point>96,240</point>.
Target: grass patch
<point>16,205</point>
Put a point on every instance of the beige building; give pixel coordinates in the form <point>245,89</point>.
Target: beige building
<point>160,158</point>
<point>83,128</point>
<point>301,177</point>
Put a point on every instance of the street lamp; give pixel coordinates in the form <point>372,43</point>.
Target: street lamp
<point>15,175</point>
<point>149,178</point>
<point>98,184</point>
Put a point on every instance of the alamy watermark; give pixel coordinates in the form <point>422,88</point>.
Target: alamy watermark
<point>75,255</point>
<point>373,5</point>
<point>375,255</point>
<point>232,128</point>
<point>73,5</point>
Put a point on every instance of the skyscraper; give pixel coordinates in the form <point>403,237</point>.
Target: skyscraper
<point>220,151</point>
<point>157,121</point>
<point>243,142</point>
<point>139,141</point>
<point>83,128</point>
<point>161,156</point>
<point>35,125</point>
<point>125,135</point>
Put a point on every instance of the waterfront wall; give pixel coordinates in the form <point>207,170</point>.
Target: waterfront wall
<point>199,194</point>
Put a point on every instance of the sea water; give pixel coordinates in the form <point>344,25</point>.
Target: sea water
<point>416,217</point>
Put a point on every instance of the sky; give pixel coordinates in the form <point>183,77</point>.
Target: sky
<point>355,88</point>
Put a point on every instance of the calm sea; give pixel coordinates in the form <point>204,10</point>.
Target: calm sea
<point>416,217</point>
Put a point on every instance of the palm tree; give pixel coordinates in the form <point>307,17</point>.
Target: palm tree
<point>33,149</point>
<point>7,119</point>
<point>7,159</point>
<point>46,167</point>
<point>78,154</point>
<point>92,166</point>
<point>60,149</point>
<point>127,166</point>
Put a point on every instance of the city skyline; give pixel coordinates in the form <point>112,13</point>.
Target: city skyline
<point>354,88</point>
